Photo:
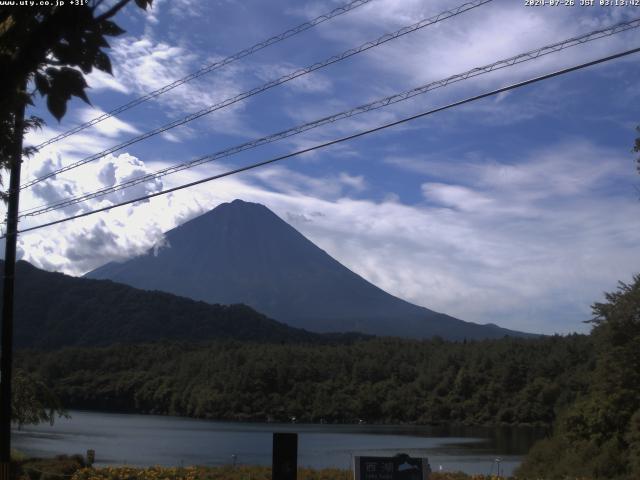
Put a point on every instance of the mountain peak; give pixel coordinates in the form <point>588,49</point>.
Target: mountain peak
<point>238,203</point>
<point>236,207</point>
<point>242,252</point>
<point>236,216</point>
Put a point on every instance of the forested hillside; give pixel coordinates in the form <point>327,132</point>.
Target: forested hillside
<point>599,435</point>
<point>509,381</point>
<point>53,310</point>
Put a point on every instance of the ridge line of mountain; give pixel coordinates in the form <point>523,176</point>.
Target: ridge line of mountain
<point>54,310</point>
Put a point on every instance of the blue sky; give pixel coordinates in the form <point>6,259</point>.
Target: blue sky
<point>519,210</point>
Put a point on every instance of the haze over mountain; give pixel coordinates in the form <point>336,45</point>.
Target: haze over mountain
<point>242,252</point>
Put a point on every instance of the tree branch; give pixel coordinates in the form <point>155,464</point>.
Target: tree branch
<point>112,11</point>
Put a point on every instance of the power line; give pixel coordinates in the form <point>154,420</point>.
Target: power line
<point>283,79</point>
<point>211,67</point>
<point>343,139</point>
<point>523,57</point>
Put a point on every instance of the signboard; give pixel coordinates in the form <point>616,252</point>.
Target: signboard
<point>400,467</point>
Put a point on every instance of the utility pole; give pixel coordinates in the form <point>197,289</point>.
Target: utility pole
<point>6,356</point>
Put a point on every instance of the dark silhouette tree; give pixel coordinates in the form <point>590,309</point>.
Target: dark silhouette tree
<point>33,401</point>
<point>599,435</point>
<point>45,49</point>
<point>50,48</point>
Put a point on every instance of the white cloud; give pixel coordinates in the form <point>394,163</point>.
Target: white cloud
<point>455,196</point>
<point>356,182</point>
<point>112,127</point>
<point>292,183</point>
<point>145,65</point>
<point>107,172</point>
<point>478,37</point>
<point>85,143</point>
<point>99,80</point>
<point>68,151</point>
<point>85,243</point>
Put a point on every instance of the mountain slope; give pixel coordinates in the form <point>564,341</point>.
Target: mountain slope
<point>53,310</point>
<point>242,252</point>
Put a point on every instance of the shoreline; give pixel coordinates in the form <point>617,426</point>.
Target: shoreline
<point>524,426</point>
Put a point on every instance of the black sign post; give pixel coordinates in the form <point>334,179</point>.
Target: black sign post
<point>284,464</point>
<point>400,467</point>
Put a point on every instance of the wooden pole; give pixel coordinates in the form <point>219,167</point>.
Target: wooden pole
<point>6,342</point>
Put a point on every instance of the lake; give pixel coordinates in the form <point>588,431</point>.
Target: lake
<point>144,440</point>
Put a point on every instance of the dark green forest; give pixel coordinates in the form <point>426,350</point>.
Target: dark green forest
<point>53,310</point>
<point>598,436</point>
<point>509,381</point>
<point>584,388</point>
<point>236,364</point>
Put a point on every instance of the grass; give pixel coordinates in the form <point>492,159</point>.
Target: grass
<point>17,456</point>
<point>231,473</point>
<point>65,467</point>
<point>62,467</point>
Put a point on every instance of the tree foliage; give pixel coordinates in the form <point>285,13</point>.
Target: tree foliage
<point>32,400</point>
<point>49,48</point>
<point>508,381</point>
<point>599,435</point>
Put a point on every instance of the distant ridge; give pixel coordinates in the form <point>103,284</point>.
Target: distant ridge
<point>53,310</point>
<point>242,252</point>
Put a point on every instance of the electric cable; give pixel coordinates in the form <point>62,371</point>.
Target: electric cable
<point>396,98</point>
<point>273,83</point>
<point>340,140</point>
<point>209,68</point>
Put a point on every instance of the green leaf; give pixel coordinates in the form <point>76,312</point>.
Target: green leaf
<point>72,82</point>
<point>97,39</point>
<point>66,54</point>
<point>102,62</point>
<point>57,106</point>
<point>86,63</point>
<point>64,82</point>
<point>42,84</point>
<point>110,28</point>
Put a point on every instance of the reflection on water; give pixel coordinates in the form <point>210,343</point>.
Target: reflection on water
<point>152,440</point>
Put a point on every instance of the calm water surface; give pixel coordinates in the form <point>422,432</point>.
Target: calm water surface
<point>152,440</point>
